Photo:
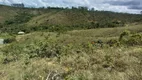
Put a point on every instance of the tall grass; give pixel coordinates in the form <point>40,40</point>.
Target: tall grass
<point>43,55</point>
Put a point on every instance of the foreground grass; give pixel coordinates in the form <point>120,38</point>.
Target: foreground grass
<point>113,64</point>
<point>70,56</point>
<point>42,55</point>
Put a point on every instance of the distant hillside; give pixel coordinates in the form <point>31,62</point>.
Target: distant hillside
<point>54,18</point>
<point>62,17</point>
<point>6,12</point>
<point>79,17</point>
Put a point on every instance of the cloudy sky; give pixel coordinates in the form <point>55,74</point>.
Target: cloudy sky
<point>126,6</point>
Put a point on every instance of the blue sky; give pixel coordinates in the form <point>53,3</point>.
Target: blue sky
<point>126,6</point>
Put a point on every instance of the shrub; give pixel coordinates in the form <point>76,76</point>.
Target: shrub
<point>9,40</point>
<point>113,42</point>
<point>47,50</point>
<point>130,39</point>
<point>8,22</point>
<point>124,36</point>
<point>135,39</point>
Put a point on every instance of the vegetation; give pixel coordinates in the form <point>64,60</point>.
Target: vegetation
<point>71,56</point>
<point>62,19</point>
<point>130,39</point>
<point>57,45</point>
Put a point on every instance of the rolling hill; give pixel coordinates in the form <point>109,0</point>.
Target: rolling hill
<point>69,44</point>
<point>67,17</point>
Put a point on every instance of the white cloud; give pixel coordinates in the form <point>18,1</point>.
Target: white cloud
<point>97,4</point>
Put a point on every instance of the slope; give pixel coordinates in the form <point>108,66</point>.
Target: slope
<point>61,17</point>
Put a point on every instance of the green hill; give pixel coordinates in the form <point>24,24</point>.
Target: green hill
<point>60,18</point>
<point>69,44</point>
<point>75,18</point>
<point>6,12</point>
<point>83,18</point>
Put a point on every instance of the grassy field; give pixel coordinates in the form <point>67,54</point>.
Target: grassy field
<point>70,56</point>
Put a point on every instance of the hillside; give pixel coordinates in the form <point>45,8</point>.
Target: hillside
<point>62,17</point>
<point>65,17</point>
<point>6,13</point>
<point>52,19</point>
<point>69,44</point>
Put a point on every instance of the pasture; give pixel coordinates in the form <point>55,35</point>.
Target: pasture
<point>71,56</point>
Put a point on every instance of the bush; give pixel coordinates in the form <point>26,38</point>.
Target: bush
<point>124,35</point>
<point>113,42</point>
<point>9,40</point>
<point>130,39</point>
<point>135,39</point>
<point>46,50</point>
<point>8,22</point>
